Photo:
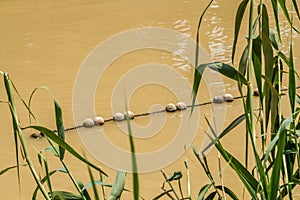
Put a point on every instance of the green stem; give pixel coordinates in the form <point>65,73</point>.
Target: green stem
<point>68,171</point>
<point>250,71</point>
<point>18,130</point>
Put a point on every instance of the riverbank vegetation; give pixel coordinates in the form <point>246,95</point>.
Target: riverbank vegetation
<point>272,138</point>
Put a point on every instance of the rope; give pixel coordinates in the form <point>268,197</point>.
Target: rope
<point>34,135</point>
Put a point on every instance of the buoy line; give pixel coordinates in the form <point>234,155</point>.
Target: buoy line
<point>99,121</point>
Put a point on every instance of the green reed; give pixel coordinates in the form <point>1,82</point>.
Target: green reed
<point>57,148</point>
<point>275,173</point>
<point>276,170</point>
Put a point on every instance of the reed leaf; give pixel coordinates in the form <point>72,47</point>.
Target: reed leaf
<point>176,176</point>
<point>284,125</point>
<point>18,135</point>
<point>250,183</point>
<point>292,81</point>
<point>43,180</point>
<point>228,191</point>
<point>203,191</point>
<point>118,185</point>
<point>84,191</point>
<point>47,175</point>
<point>238,20</point>
<point>62,195</point>
<point>274,180</point>
<point>245,176</point>
<point>93,184</point>
<point>198,74</point>
<point>60,127</point>
<point>244,61</point>
<point>275,11</point>
<point>222,68</point>
<point>10,97</point>
<point>51,135</point>
<point>97,182</point>
<point>162,194</point>
<point>133,160</point>
<point>296,8</point>
<point>9,168</point>
<point>273,39</point>
<point>228,129</point>
<point>257,65</point>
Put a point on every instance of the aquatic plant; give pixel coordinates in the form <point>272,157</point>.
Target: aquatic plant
<point>275,173</point>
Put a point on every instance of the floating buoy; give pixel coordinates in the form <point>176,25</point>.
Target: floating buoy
<point>118,116</point>
<point>98,121</point>
<point>88,123</point>
<point>36,135</point>
<point>180,105</point>
<point>256,92</point>
<point>129,114</point>
<point>218,99</point>
<point>228,97</point>
<point>171,107</point>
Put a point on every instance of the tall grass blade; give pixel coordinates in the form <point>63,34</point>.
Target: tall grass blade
<point>93,184</point>
<point>51,135</point>
<point>97,182</point>
<point>62,195</point>
<point>273,39</point>
<point>274,180</point>
<point>257,65</point>
<point>24,103</point>
<point>162,194</point>
<point>213,194</point>
<point>15,122</point>
<point>226,70</point>
<point>9,168</point>
<point>284,125</point>
<point>229,128</point>
<point>43,180</point>
<point>203,191</point>
<point>238,20</point>
<point>198,33</point>
<point>285,10</point>
<point>198,74</point>
<point>243,61</point>
<point>228,192</point>
<point>60,127</point>
<point>84,191</point>
<point>133,161</point>
<point>222,68</point>
<point>118,185</point>
<point>245,176</point>
<point>292,81</point>
<point>47,175</point>
<point>19,136</point>
<point>275,11</point>
<point>296,8</point>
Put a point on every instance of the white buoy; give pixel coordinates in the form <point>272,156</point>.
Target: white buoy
<point>88,123</point>
<point>228,97</point>
<point>98,121</point>
<point>118,116</point>
<point>129,114</point>
<point>218,99</point>
<point>181,105</point>
<point>171,107</point>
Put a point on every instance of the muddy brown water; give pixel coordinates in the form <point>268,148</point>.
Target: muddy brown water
<point>45,43</point>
